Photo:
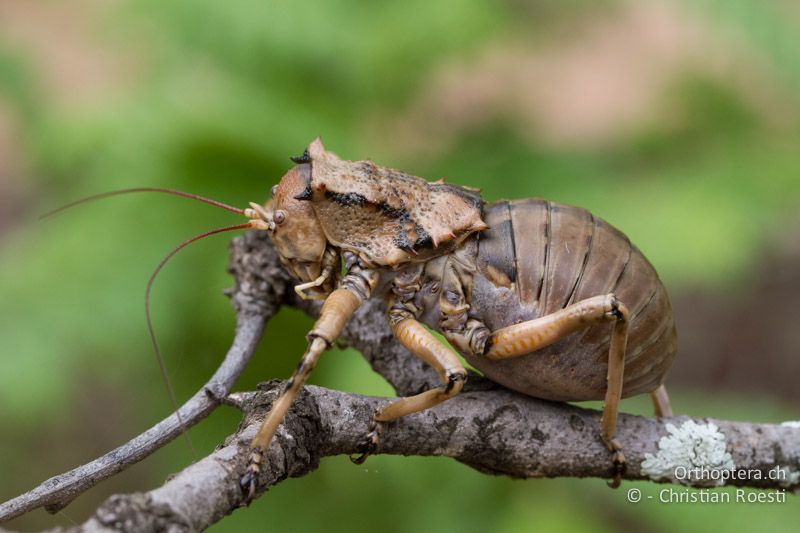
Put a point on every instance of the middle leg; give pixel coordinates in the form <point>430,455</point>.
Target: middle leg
<point>661,403</point>
<point>424,345</point>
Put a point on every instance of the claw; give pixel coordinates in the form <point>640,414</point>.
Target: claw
<point>248,486</point>
<point>249,481</point>
<point>369,444</point>
<point>359,459</point>
<point>618,463</point>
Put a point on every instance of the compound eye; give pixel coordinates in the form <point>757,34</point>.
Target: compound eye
<point>279,216</point>
<point>274,189</point>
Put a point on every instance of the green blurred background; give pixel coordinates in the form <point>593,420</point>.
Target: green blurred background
<point>677,121</point>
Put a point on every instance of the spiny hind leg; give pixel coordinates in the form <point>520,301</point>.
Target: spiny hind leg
<point>661,404</point>
<point>524,338</point>
<point>424,345</point>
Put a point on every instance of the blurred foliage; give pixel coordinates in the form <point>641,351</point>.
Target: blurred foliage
<point>224,92</point>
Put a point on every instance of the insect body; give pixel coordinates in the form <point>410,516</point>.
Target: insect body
<point>543,298</point>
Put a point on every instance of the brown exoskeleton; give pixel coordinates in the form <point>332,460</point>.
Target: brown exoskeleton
<point>522,289</point>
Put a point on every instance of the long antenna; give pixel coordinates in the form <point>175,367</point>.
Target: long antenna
<point>256,223</point>
<point>151,330</point>
<point>100,196</point>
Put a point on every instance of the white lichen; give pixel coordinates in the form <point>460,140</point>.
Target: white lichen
<point>787,476</point>
<point>694,454</point>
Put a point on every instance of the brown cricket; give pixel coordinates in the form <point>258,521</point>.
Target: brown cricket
<point>543,298</point>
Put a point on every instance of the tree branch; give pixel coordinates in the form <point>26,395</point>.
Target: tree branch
<point>59,491</point>
<point>487,427</point>
<point>496,432</point>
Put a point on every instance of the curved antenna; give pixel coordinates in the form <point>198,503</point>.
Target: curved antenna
<point>156,349</point>
<point>100,196</point>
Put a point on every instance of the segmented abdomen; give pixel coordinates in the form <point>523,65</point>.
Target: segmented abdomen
<point>538,257</point>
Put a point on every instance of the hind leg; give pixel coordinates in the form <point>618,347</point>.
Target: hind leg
<point>524,338</point>
<point>661,403</point>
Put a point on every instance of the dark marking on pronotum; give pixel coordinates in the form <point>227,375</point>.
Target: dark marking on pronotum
<point>347,199</point>
<point>301,159</point>
<point>424,240</point>
<point>402,241</point>
<point>392,212</point>
<point>306,194</point>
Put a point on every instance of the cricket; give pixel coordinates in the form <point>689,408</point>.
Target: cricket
<point>543,298</point>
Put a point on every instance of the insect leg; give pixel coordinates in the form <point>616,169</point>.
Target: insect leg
<point>330,263</point>
<point>336,310</point>
<point>424,345</point>
<point>524,338</point>
<point>661,403</point>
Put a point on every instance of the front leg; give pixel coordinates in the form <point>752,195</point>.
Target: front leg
<point>336,311</point>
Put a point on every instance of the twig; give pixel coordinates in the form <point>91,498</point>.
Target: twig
<point>58,491</point>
